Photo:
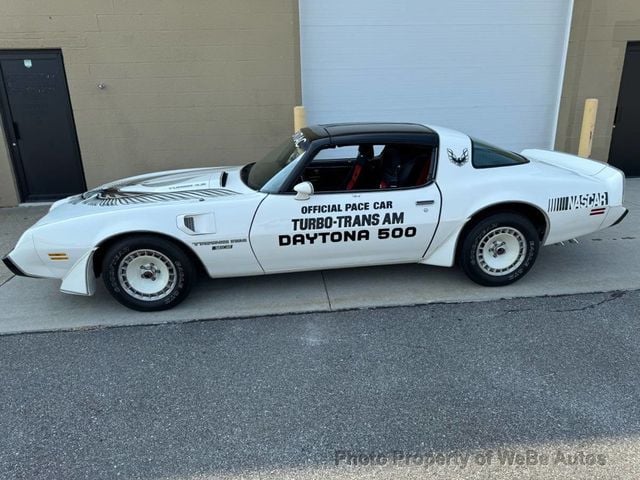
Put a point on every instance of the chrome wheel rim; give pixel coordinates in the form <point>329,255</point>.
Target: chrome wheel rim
<point>501,251</point>
<point>147,275</point>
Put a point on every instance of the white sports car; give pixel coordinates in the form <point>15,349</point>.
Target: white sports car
<point>332,196</point>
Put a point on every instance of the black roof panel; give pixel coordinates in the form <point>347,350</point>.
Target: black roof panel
<point>339,129</point>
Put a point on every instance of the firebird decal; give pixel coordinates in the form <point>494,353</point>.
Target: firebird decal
<point>461,160</point>
<point>112,197</point>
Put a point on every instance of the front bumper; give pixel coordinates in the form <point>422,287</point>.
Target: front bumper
<point>13,267</point>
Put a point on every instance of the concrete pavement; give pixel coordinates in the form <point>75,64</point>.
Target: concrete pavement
<point>14,221</point>
<point>285,397</point>
<point>605,261</point>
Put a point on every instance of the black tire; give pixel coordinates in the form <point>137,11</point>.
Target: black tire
<point>487,262</point>
<point>155,259</point>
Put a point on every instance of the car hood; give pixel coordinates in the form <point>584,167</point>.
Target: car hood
<point>155,189</point>
<point>176,185</point>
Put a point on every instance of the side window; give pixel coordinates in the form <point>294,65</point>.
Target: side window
<point>349,152</point>
<point>484,155</point>
<point>370,167</point>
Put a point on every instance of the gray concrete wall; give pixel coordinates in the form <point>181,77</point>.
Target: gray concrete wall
<point>188,83</point>
<point>600,31</point>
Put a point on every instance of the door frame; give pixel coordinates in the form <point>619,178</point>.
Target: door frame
<point>8,125</point>
<point>632,45</point>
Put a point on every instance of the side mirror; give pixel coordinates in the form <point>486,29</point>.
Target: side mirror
<point>303,190</point>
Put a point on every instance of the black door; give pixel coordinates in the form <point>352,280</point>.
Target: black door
<point>625,140</point>
<point>38,123</point>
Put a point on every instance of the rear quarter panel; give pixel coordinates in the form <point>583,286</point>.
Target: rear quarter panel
<point>467,190</point>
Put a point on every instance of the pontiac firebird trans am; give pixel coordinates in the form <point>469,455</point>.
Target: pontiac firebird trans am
<point>331,196</point>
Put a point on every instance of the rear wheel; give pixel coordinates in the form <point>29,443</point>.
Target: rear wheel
<point>499,249</point>
<point>147,273</point>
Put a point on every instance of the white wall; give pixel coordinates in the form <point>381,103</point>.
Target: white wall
<point>490,68</point>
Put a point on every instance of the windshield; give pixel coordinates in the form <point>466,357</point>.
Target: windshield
<point>259,173</point>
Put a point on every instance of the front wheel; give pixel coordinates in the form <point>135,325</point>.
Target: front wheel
<point>500,249</point>
<point>147,273</point>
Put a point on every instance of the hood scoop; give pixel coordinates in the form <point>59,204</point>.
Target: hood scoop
<point>175,182</point>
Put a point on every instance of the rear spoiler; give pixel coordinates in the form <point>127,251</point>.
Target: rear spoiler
<point>583,166</point>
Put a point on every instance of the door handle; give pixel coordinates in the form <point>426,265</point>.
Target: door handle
<point>425,202</point>
<point>16,132</point>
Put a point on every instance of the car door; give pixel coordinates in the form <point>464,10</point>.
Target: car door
<point>345,228</point>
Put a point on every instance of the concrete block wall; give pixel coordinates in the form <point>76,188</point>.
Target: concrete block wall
<point>600,31</point>
<point>188,83</point>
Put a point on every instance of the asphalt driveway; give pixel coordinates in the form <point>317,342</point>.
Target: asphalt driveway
<point>287,397</point>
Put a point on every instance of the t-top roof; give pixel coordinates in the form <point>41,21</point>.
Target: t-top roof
<point>341,129</point>
<point>338,129</point>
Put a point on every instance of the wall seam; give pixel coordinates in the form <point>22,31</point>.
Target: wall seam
<point>563,73</point>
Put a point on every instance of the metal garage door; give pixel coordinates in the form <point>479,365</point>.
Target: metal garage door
<point>492,69</point>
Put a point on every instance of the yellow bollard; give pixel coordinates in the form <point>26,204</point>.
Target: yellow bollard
<point>588,127</point>
<point>299,118</point>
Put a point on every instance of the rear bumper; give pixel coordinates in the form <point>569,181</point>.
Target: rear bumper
<point>13,267</point>
<point>624,214</point>
<point>614,215</point>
